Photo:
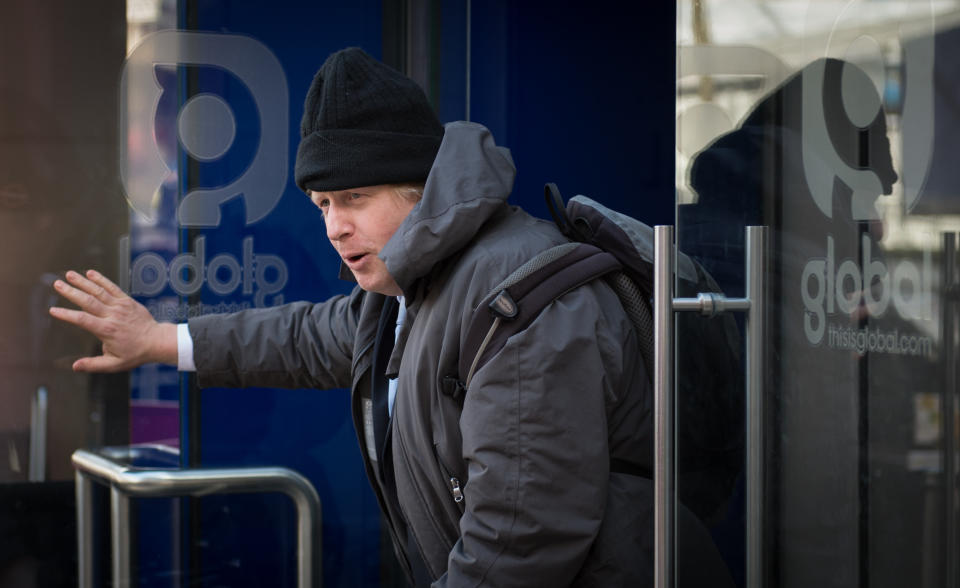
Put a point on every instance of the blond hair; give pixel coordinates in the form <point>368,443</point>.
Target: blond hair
<point>412,191</point>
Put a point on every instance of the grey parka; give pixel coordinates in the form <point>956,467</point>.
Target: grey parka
<point>528,445</point>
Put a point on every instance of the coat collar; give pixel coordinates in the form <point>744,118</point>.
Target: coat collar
<point>470,181</point>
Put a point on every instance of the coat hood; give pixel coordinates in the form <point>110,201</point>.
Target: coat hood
<point>468,184</point>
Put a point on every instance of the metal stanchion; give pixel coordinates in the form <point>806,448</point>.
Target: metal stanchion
<point>126,482</point>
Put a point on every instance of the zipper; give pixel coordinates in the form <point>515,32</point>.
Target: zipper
<point>453,482</point>
<point>455,490</point>
<point>430,515</point>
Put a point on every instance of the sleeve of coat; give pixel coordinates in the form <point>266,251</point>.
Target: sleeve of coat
<point>534,430</point>
<point>297,345</point>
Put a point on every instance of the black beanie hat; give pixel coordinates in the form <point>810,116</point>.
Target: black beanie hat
<point>364,123</point>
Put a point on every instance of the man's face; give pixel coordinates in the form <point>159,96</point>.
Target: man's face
<point>359,222</point>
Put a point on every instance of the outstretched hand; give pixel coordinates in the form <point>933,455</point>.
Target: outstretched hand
<point>129,333</point>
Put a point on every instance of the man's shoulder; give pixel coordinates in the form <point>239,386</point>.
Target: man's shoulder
<point>501,246</point>
<point>511,239</point>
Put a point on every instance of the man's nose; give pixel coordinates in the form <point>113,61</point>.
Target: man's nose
<point>339,224</point>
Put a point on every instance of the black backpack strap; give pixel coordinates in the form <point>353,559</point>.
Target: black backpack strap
<point>513,304</point>
<point>558,210</point>
<point>572,228</point>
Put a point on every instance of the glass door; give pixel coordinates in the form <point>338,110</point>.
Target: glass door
<point>60,208</point>
<point>835,125</point>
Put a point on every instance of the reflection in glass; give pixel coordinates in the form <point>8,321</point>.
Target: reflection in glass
<point>837,139</point>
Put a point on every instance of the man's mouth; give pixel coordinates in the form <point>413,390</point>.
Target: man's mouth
<point>354,258</point>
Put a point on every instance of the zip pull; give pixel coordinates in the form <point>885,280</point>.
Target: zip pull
<point>455,490</point>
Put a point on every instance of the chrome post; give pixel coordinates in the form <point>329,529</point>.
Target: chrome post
<point>83,488</point>
<point>663,462</point>
<point>756,325</point>
<point>120,536</point>
<point>309,538</point>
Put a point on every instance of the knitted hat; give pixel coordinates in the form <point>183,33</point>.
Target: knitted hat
<point>364,123</point>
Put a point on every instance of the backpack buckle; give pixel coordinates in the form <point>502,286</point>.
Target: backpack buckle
<point>504,306</point>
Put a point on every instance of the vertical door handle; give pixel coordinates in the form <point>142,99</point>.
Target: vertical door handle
<point>664,404</point>
<point>664,497</point>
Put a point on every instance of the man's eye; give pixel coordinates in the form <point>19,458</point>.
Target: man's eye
<point>354,196</point>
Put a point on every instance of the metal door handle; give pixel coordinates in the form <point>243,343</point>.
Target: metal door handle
<point>125,482</point>
<point>665,305</point>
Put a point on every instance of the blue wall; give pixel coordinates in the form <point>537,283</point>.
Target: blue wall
<point>583,94</point>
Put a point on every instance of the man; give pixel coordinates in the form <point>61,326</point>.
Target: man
<point>505,483</point>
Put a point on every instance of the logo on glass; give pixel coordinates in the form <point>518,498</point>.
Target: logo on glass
<point>844,137</point>
<point>862,85</point>
<point>206,125</point>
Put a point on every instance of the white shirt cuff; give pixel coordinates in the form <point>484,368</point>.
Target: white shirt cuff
<point>185,349</point>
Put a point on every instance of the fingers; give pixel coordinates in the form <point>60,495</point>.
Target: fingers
<point>80,296</point>
<point>100,363</point>
<point>108,286</point>
<point>92,293</point>
<point>91,287</point>
<point>79,318</point>
<point>108,313</point>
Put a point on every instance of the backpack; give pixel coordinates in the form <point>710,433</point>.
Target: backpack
<point>605,244</point>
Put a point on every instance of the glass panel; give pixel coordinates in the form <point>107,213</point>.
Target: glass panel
<point>60,207</point>
<point>834,123</point>
<point>75,194</point>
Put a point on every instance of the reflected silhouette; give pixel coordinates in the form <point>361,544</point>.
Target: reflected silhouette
<point>808,163</point>
<point>756,174</point>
